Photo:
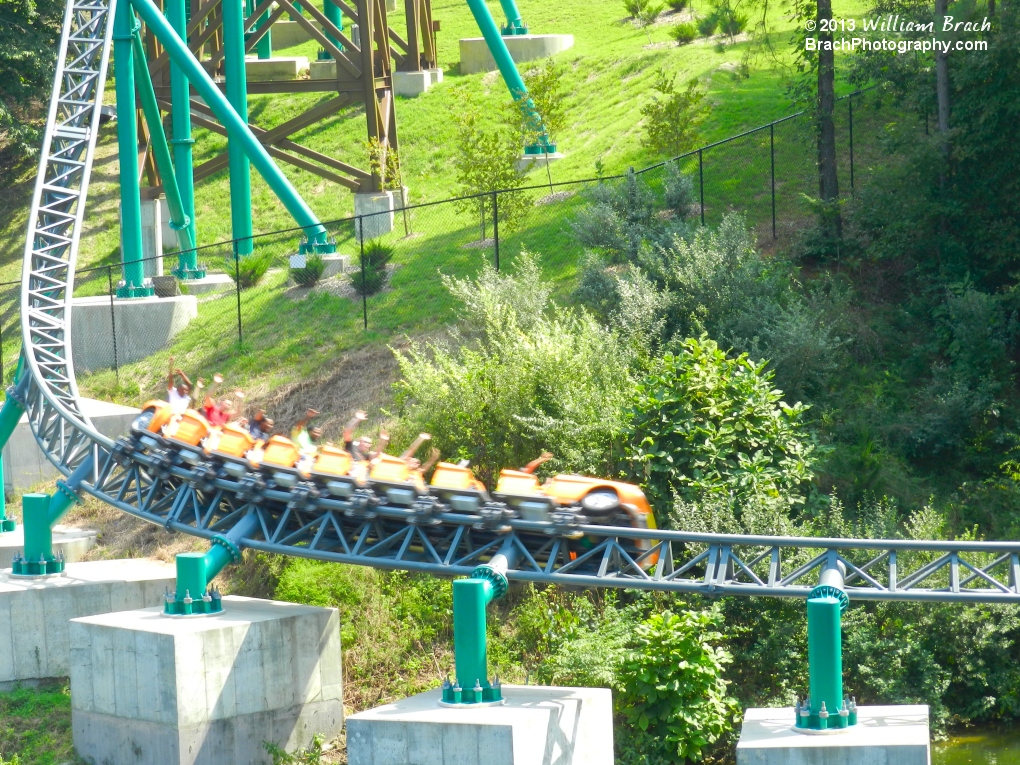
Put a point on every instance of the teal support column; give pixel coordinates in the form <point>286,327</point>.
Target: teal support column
<point>180,95</point>
<point>826,706</point>
<point>195,570</point>
<point>236,128</point>
<point>336,17</point>
<point>514,24</point>
<point>237,94</point>
<point>6,524</point>
<point>179,220</point>
<point>511,76</point>
<point>264,47</point>
<point>127,149</point>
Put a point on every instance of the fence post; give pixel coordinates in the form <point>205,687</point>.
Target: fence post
<point>772,162</point>
<point>237,290</point>
<point>1,378</point>
<point>851,102</point>
<point>113,322</point>
<point>495,225</point>
<point>701,183</point>
<point>364,292</point>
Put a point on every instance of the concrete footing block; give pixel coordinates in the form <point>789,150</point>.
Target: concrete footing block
<point>144,326</point>
<point>276,69</point>
<point>537,726</point>
<point>209,283</point>
<point>69,543</point>
<point>34,613</point>
<point>25,466</point>
<point>378,208</point>
<point>537,161</point>
<point>893,735</point>
<point>290,33</point>
<point>146,688</point>
<point>411,84</point>
<point>322,70</point>
<point>475,55</point>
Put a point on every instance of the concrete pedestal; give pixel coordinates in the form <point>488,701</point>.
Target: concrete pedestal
<point>34,613</point>
<point>25,466</point>
<point>290,33</point>
<point>411,84</point>
<point>147,688</point>
<point>322,70</point>
<point>152,238</point>
<point>68,542</point>
<point>276,69</point>
<point>894,735</point>
<point>377,207</point>
<point>435,76</point>
<point>144,326</point>
<point>537,726</point>
<point>210,283</point>
<point>537,161</point>
<point>475,55</point>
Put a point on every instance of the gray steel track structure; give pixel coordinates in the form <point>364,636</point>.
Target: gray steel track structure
<point>154,482</point>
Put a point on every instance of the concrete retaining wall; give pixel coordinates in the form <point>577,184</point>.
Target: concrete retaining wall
<point>475,55</point>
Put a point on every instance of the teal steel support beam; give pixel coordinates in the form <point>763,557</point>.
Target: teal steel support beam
<point>264,46</point>
<point>235,126</point>
<point>196,570</point>
<point>236,76</point>
<point>6,524</point>
<point>514,23</point>
<point>180,99</point>
<point>127,149</point>
<point>334,15</point>
<point>179,220</point>
<point>512,77</point>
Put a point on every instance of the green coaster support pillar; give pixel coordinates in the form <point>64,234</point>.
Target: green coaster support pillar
<point>237,94</point>
<point>514,24</point>
<point>10,416</point>
<point>336,17</point>
<point>512,77</point>
<point>826,707</point>
<point>6,524</point>
<point>40,513</point>
<point>127,153</point>
<point>195,571</point>
<point>180,99</point>
<point>471,596</point>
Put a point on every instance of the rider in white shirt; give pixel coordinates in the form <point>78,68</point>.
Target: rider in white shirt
<point>178,393</point>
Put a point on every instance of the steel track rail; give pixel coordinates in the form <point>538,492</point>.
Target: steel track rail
<point>157,486</point>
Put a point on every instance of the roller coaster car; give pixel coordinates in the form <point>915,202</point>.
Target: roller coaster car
<point>341,475</point>
<point>154,415</point>
<point>231,445</point>
<point>457,486</point>
<point>395,481</point>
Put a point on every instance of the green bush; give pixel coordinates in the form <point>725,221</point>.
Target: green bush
<point>533,378</point>
<point>372,268</point>
<point>635,8</point>
<point>732,22</point>
<point>705,425</point>
<point>708,25</point>
<point>309,275</point>
<point>671,691</point>
<point>676,5</point>
<point>247,270</point>
<point>683,33</point>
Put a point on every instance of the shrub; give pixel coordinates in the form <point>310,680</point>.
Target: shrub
<point>676,5</point>
<point>733,22</point>
<point>309,275</point>
<point>559,384</point>
<point>707,25</point>
<point>671,691</point>
<point>683,33</point>
<point>596,287</point>
<point>673,115</point>
<point>635,7</point>
<point>248,270</point>
<point>678,191</point>
<point>372,268</point>
<point>705,425</point>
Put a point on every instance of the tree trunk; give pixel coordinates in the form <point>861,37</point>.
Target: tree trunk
<point>942,80</point>
<point>828,183</point>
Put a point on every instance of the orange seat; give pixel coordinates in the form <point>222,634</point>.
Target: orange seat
<point>234,441</point>
<point>281,452</point>
<point>386,467</point>
<point>161,414</point>
<point>454,477</point>
<point>190,429</point>
<point>517,482</point>
<point>332,461</point>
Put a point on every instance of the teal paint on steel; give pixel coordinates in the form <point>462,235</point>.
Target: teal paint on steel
<point>264,46</point>
<point>194,573</point>
<point>507,68</point>
<point>234,125</point>
<point>179,221</point>
<point>334,15</point>
<point>180,97</point>
<point>127,150</point>
<point>10,415</point>
<point>470,598</point>
<point>236,76</point>
<point>6,524</point>
<point>38,558</point>
<point>825,656</point>
<point>514,24</point>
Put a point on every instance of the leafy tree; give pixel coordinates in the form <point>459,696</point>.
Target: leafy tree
<point>547,91</point>
<point>486,161</point>
<point>673,115</point>
<point>706,425</point>
<point>647,16</point>
<point>671,691</point>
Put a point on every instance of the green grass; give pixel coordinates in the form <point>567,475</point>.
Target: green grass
<point>35,725</point>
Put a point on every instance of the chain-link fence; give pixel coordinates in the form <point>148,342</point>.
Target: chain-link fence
<point>276,306</point>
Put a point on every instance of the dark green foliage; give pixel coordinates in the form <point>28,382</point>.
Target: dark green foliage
<point>671,692</point>
<point>310,273</point>
<point>247,270</point>
<point>704,425</point>
<point>708,25</point>
<point>676,5</point>
<point>673,115</point>
<point>373,268</point>
<point>683,33</point>
<point>310,756</point>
